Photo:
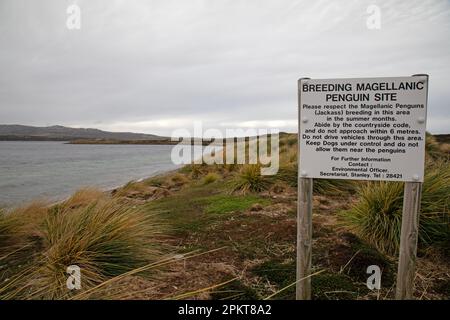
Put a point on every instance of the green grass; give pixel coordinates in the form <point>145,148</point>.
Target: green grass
<point>221,204</point>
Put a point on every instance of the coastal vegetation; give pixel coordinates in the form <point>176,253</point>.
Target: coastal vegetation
<point>92,230</point>
<point>224,232</point>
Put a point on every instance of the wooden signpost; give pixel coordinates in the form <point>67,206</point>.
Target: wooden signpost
<point>362,129</point>
<point>408,240</point>
<point>304,224</point>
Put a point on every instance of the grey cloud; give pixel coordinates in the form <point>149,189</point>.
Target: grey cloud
<point>214,60</point>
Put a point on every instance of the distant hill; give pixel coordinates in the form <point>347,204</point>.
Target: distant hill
<point>60,133</point>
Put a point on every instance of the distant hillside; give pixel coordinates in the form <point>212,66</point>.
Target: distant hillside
<point>60,133</point>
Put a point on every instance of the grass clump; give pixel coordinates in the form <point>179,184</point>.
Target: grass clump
<point>102,236</point>
<point>104,239</point>
<point>376,217</point>
<point>210,178</point>
<point>250,179</point>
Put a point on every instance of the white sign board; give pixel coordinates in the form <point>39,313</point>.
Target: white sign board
<point>363,129</point>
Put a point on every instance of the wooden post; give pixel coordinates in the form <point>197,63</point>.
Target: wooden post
<point>409,235</point>
<point>304,222</point>
<point>304,238</point>
<point>408,240</point>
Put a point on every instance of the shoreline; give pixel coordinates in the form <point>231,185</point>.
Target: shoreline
<point>107,190</point>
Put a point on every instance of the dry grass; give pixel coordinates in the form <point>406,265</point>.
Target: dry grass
<point>91,230</point>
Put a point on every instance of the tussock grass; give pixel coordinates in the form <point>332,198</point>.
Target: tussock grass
<point>376,217</point>
<point>249,179</point>
<point>102,236</point>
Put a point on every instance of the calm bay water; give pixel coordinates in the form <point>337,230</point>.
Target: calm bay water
<point>54,170</point>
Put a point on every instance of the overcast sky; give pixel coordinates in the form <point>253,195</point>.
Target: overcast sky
<point>156,65</point>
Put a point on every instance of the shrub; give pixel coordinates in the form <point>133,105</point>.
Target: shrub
<point>376,217</point>
<point>250,179</point>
